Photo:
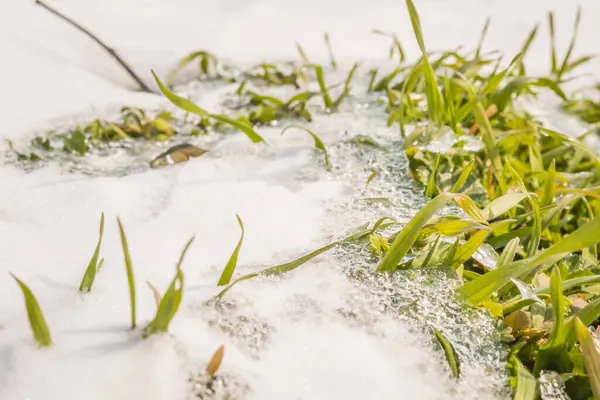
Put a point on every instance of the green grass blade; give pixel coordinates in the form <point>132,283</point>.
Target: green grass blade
<point>467,249</point>
<point>129,269</point>
<point>302,53</point>
<point>327,101</point>
<point>464,175</point>
<point>490,144</point>
<point>180,102</point>
<point>318,142</point>
<point>431,253</point>
<point>409,234</point>
<point>527,385</point>
<point>191,107</point>
<point>548,195</point>
<point>469,206</point>
<point>430,191</point>
<point>565,63</point>
<point>536,231</point>
<point>169,303</point>
<point>481,288</point>
<point>558,308</point>
<point>330,51</point>
<point>508,253</point>
<point>346,90</point>
<point>434,97</point>
<point>232,263</point>
<point>93,266</point>
<point>451,355</point>
<point>553,59</point>
<point>590,356</point>
<point>283,268</point>
<point>34,313</point>
<point>482,37</point>
<point>245,128</point>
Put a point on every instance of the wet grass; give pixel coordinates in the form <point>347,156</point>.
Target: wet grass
<point>527,195</point>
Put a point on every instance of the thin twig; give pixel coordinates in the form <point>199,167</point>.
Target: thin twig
<point>143,87</point>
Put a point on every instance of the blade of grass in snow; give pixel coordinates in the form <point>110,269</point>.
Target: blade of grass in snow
<point>129,270</point>
<point>34,313</point>
<point>318,142</point>
<point>93,266</point>
<point>502,204</point>
<point>548,195</point>
<point>302,53</point>
<point>191,107</point>
<point>232,263</point>
<point>282,268</point>
<point>451,355</point>
<point>482,37</point>
<point>215,362</point>
<point>169,303</point>
<point>508,254</point>
<point>330,50</point>
<point>370,178</point>
<point>431,252</point>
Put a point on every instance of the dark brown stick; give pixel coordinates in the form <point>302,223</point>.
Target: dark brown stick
<point>143,87</point>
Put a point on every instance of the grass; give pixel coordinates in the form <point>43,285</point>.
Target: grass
<point>37,322</point>
<point>526,193</point>
<point>94,265</point>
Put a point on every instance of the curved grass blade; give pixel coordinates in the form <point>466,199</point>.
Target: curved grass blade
<point>232,263</point>
<point>408,235</point>
<point>451,355</point>
<point>93,266</point>
<point>40,331</point>
<point>169,303</point>
<point>527,385</point>
<point>508,254</point>
<point>346,90</point>
<point>431,253</point>
<point>590,356</point>
<point>370,178</point>
<point>318,142</point>
<point>129,269</point>
<point>464,175</point>
<point>282,268</point>
<point>467,249</point>
<point>191,107</point>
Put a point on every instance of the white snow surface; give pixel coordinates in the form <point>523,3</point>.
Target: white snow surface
<point>290,342</point>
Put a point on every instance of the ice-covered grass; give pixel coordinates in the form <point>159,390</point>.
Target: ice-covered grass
<point>324,331</point>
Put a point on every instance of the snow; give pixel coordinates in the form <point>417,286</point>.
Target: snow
<point>287,338</point>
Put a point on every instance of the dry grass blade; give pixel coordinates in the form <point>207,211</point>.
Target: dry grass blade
<point>155,292</point>
<point>40,331</point>
<point>215,362</point>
